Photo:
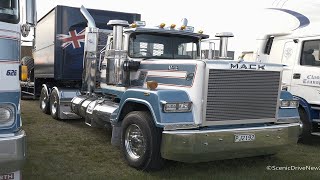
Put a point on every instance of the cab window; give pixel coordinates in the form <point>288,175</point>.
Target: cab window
<point>9,11</point>
<point>163,46</point>
<point>310,53</point>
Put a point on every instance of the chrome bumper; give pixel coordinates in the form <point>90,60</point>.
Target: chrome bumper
<point>207,145</point>
<point>12,151</point>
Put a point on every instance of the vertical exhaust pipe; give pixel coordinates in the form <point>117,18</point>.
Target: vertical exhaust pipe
<point>90,53</point>
<point>116,74</point>
<point>118,32</point>
<point>223,48</point>
<point>89,18</point>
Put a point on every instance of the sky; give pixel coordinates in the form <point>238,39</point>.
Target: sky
<point>246,19</point>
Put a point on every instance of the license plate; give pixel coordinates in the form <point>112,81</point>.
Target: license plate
<point>244,137</point>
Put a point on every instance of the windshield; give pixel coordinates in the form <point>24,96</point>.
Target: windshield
<point>9,11</point>
<point>163,46</point>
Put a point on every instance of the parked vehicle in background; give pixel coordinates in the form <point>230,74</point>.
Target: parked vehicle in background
<point>58,49</point>
<point>299,51</point>
<point>12,137</point>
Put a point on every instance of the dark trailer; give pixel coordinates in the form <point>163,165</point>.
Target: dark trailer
<point>58,47</point>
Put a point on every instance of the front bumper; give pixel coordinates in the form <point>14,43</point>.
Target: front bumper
<point>12,151</point>
<point>207,145</point>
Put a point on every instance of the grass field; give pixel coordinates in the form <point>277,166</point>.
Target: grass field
<point>72,150</point>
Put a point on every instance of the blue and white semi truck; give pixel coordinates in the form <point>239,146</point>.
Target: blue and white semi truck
<point>162,100</point>
<point>12,137</point>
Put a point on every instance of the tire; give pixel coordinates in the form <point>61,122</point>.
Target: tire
<point>29,62</point>
<point>44,100</point>
<point>147,140</point>
<point>54,104</point>
<point>306,126</point>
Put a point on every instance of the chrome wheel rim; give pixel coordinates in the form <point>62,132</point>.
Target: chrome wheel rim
<point>54,105</point>
<point>43,100</point>
<point>135,143</point>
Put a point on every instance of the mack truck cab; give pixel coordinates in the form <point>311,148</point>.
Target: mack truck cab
<point>164,101</point>
<point>12,136</point>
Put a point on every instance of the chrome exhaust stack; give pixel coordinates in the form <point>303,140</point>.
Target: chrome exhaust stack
<point>223,47</point>
<point>90,54</point>
<point>116,58</point>
<point>89,18</point>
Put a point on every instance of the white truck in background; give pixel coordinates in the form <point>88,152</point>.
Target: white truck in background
<point>299,52</point>
<point>12,137</point>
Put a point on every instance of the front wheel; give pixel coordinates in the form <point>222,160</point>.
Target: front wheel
<point>306,126</point>
<point>140,141</point>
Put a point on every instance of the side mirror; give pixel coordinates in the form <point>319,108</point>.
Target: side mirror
<point>31,12</point>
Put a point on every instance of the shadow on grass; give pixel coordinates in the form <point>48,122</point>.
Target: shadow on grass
<point>220,168</point>
<point>314,141</point>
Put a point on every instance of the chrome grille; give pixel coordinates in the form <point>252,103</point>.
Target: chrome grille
<point>242,94</point>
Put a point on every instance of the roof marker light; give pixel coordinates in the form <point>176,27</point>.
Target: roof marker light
<point>133,25</point>
<point>172,26</point>
<point>162,25</point>
<point>183,27</point>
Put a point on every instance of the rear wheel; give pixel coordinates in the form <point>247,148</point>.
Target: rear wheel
<point>306,126</point>
<point>44,100</point>
<point>140,141</point>
<point>54,104</point>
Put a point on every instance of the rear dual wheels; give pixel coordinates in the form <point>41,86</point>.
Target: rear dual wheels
<point>44,100</point>
<point>140,141</point>
<point>49,102</point>
<point>54,104</point>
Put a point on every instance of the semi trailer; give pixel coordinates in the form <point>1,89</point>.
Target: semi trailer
<point>161,98</point>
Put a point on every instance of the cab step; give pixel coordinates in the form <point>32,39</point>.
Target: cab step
<point>71,115</point>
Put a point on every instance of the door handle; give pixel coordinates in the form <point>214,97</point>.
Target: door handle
<point>296,76</point>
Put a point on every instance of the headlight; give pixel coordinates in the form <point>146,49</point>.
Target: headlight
<point>6,115</point>
<point>289,103</point>
<point>177,107</point>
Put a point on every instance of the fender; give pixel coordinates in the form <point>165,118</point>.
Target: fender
<point>152,99</point>
<point>305,105</point>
